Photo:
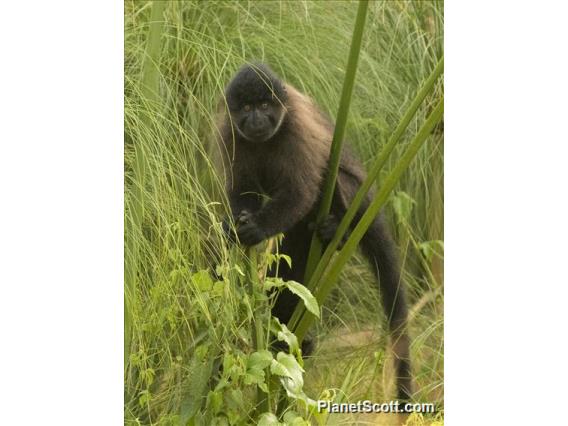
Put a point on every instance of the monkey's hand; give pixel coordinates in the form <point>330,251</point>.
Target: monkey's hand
<point>326,231</point>
<point>240,218</point>
<point>248,230</point>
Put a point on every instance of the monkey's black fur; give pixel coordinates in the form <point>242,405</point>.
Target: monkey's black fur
<point>277,144</point>
<point>247,90</point>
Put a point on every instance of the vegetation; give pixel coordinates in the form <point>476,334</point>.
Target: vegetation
<point>196,343</point>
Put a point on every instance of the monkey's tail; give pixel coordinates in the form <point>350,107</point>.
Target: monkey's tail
<point>379,248</point>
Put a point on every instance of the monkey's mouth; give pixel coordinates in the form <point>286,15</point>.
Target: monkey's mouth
<point>259,135</point>
<point>255,135</point>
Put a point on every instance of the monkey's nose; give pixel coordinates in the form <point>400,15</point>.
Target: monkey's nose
<point>257,126</point>
<point>256,123</point>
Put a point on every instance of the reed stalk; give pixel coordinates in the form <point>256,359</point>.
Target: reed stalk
<point>372,176</point>
<point>337,142</point>
<point>380,199</point>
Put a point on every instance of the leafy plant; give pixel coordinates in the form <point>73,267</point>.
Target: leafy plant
<point>255,365</point>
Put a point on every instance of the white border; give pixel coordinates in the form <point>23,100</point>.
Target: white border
<point>61,225</point>
<point>506,212</point>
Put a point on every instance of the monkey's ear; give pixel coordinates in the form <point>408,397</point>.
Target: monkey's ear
<point>221,106</point>
<point>285,92</point>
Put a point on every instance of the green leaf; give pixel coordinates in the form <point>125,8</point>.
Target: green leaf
<point>235,406</point>
<point>285,335</point>
<point>221,270</point>
<point>145,398</point>
<point>286,366</point>
<point>254,376</point>
<point>228,362</point>
<point>201,352</point>
<point>215,401</point>
<point>431,248</point>
<point>402,204</point>
<point>202,280</point>
<point>303,293</point>
<point>268,419</point>
<point>199,375</point>
<point>260,360</point>
<point>286,258</point>
<point>291,418</point>
<point>218,288</point>
<point>273,282</point>
<point>147,376</point>
<point>239,270</point>
<point>256,363</point>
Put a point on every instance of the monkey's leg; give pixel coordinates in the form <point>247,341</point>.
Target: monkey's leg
<point>296,244</point>
<point>380,249</point>
<point>345,189</point>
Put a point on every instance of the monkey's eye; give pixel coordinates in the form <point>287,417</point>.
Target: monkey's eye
<point>246,108</point>
<point>264,105</point>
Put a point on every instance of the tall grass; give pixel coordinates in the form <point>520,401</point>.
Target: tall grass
<point>179,331</point>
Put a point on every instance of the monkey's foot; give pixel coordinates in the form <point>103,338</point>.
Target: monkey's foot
<point>308,346</point>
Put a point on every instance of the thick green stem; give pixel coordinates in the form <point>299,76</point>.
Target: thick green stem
<point>149,90</point>
<point>366,186</point>
<point>370,214</point>
<point>337,142</point>
<point>255,290</point>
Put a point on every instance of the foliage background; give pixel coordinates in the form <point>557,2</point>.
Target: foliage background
<point>179,326</point>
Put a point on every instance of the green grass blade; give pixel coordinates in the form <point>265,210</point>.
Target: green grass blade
<point>316,275</point>
<point>338,134</point>
<point>149,89</point>
<point>350,246</point>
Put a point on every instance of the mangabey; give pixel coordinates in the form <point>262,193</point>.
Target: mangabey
<point>277,144</point>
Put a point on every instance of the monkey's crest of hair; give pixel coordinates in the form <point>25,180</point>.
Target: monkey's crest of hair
<point>253,84</point>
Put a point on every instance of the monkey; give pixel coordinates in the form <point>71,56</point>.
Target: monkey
<point>277,144</point>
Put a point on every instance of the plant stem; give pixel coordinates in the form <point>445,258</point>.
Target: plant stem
<point>370,214</point>
<point>366,185</point>
<point>338,134</point>
<point>254,287</point>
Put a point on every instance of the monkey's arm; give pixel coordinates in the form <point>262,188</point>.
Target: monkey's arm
<point>243,194</point>
<point>289,204</point>
<point>243,201</point>
<point>347,184</point>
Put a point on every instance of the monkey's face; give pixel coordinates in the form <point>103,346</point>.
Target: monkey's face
<point>258,122</point>
<point>256,99</point>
